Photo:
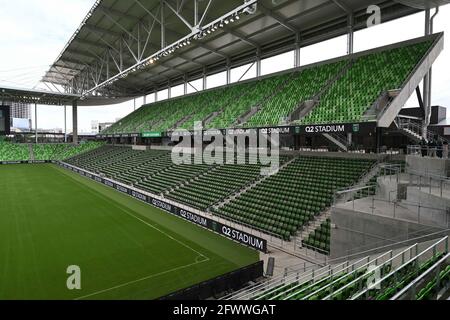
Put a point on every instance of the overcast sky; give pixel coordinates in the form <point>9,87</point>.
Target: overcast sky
<point>33,33</point>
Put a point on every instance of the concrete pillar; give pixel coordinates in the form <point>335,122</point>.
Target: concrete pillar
<point>35,123</point>
<point>258,64</point>
<point>427,83</point>
<point>65,124</point>
<point>205,84</point>
<point>156,96</point>
<point>75,122</point>
<point>350,34</point>
<point>163,26</point>
<point>297,59</point>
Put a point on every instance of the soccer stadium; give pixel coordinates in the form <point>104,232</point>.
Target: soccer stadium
<point>262,152</point>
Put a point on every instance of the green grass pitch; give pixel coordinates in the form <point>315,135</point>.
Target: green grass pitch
<point>51,219</point>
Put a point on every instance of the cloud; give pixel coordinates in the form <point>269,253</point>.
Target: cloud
<point>35,33</point>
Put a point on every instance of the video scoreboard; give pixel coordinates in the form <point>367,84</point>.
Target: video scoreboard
<point>5,122</point>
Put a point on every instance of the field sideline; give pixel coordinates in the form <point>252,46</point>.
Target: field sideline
<point>51,218</point>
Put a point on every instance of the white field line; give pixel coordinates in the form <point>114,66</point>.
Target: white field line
<point>139,280</point>
<point>145,222</point>
<point>153,275</point>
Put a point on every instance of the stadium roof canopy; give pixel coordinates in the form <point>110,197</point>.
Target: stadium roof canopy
<point>126,49</point>
<point>32,96</point>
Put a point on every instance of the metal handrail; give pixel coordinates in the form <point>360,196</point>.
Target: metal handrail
<point>369,263</point>
<point>432,247</point>
<point>387,262</point>
<point>268,287</point>
<point>322,277</point>
<point>421,277</point>
<point>428,175</point>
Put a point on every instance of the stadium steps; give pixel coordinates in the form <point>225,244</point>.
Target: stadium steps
<point>307,106</point>
<point>307,236</point>
<point>30,149</point>
<point>369,76</point>
<point>220,112</point>
<point>434,47</point>
<point>247,188</point>
<point>413,129</point>
<point>181,122</point>
<point>216,185</point>
<point>207,121</point>
<point>211,117</point>
<point>303,109</point>
<point>385,98</point>
<point>337,140</point>
<point>313,225</point>
<point>305,188</point>
<point>191,180</point>
<point>246,116</point>
<point>242,120</point>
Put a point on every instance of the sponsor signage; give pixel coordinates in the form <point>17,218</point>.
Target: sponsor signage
<point>336,128</point>
<point>364,127</point>
<point>278,130</point>
<point>25,162</point>
<point>123,135</point>
<point>152,134</point>
<point>234,234</point>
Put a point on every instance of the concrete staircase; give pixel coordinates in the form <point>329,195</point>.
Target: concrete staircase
<point>306,107</point>
<point>247,188</point>
<point>246,116</point>
<point>180,122</point>
<point>313,225</point>
<point>337,140</point>
<point>30,148</point>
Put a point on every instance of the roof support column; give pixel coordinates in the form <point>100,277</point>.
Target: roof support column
<point>156,96</point>
<point>297,59</point>
<point>427,81</point>
<point>169,91</point>
<point>75,122</point>
<point>185,87</point>
<point>195,12</point>
<point>205,84</point>
<point>35,122</point>
<point>350,34</point>
<point>65,124</point>
<point>258,63</point>
<point>163,29</point>
<point>228,71</point>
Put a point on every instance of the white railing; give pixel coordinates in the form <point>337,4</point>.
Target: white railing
<point>411,292</point>
<point>395,275</point>
<point>428,151</point>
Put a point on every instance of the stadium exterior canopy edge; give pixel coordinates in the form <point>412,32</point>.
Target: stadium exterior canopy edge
<point>133,48</point>
<point>33,96</point>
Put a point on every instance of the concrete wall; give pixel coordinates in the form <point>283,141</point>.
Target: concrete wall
<point>427,165</point>
<point>434,210</point>
<point>354,232</point>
